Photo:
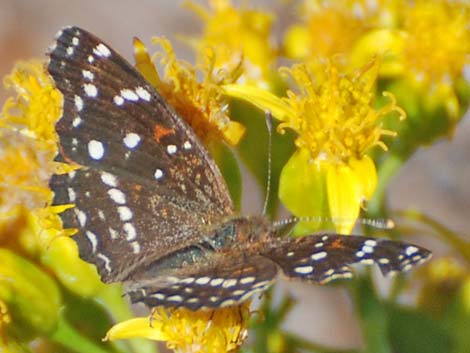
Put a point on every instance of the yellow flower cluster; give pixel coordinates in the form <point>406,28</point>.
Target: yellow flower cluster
<point>201,104</point>
<point>205,331</point>
<point>336,125</point>
<point>236,36</point>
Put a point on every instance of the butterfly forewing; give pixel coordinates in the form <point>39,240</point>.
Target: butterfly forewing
<point>137,155</point>
<point>114,121</point>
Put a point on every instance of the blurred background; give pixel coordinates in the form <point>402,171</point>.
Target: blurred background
<point>435,181</point>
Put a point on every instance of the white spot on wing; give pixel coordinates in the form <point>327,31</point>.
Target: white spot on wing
<point>91,59</point>
<point>72,195</point>
<point>304,270</point>
<point>175,298</point>
<point>117,196</point>
<point>371,242</point>
<point>171,149</point>
<point>202,280</point>
<point>130,231</point>
<point>88,75</point>
<point>187,145</point>
<point>135,247</point>
<point>102,50</point>
<point>410,250</point>
<point>129,95</point>
<point>158,296</point>
<point>106,260</point>
<point>76,121</point>
<point>216,282</point>
<point>90,90</point>
<point>78,103</point>
<point>81,217</point>
<point>247,280</point>
<point>75,41</point>
<point>113,233</point>
<point>118,100</point>
<point>158,174</point>
<point>69,51</point>
<point>101,215</point>
<point>108,179</point>
<point>131,140</point>
<point>229,283</point>
<point>125,213</point>
<point>319,255</point>
<point>93,239</point>
<point>360,253</point>
<point>95,149</point>
<point>143,93</point>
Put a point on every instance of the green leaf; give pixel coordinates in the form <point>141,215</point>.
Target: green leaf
<point>412,331</point>
<point>31,295</point>
<point>373,317</point>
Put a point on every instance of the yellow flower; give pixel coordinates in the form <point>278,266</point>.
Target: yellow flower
<point>437,45</point>
<point>327,28</point>
<point>236,35</point>
<point>37,105</point>
<point>201,104</point>
<point>28,142</point>
<point>429,49</point>
<point>436,49</point>
<point>336,125</point>
<point>186,331</point>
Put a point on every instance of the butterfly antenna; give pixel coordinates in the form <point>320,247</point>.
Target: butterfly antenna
<point>269,126</point>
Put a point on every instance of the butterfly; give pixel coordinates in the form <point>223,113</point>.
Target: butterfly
<point>151,206</point>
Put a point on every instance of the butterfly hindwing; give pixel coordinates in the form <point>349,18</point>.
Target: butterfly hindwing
<point>218,282</point>
<point>322,258</point>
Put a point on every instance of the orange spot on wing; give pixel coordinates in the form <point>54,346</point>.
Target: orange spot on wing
<point>137,187</point>
<point>337,244</point>
<point>161,131</point>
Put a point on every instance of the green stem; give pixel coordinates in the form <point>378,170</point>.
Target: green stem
<point>298,342</point>
<point>386,171</point>
<point>372,316</point>
<point>67,336</point>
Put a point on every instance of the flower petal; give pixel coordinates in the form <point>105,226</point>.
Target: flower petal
<point>260,98</point>
<point>138,327</point>
<point>144,64</point>
<point>344,197</point>
<point>302,190</point>
<point>366,173</point>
